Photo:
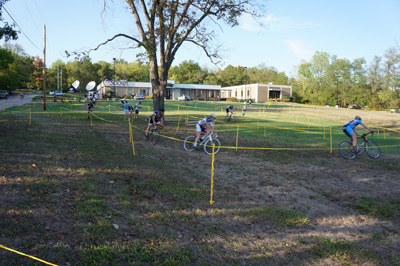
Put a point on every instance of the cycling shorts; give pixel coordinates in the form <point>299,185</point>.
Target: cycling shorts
<point>349,132</point>
<point>151,121</point>
<point>201,129</point>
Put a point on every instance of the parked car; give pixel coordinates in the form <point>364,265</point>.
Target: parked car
<point>395,110</point>
<point>354,106</point>
<point>183,98</point>
<point>71,90</point>
<point>328,105</point>
<point>138,97</point>
<point>57,93</point>
<point>10,92</point>
<point>3,94</point>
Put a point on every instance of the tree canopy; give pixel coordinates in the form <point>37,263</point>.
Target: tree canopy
<point>7,31</point>
<point>163,26</point>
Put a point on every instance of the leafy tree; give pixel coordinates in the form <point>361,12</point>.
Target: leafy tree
<point>103,70</point>
<point>19,72</point>
<point>188,72</point>
<point>6,31</point>
<point>6,59</point>
<point>164,25</point>
<point>37,72</point>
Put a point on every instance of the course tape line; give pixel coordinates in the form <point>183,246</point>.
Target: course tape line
<point>105,119</point>
<point>29,256</point>
<point>262,148</point>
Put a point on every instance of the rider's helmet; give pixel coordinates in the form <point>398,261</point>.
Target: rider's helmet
<point>161,109</point>
<point>231,106</point>
<point>358,118</point>
<point>213,115</point>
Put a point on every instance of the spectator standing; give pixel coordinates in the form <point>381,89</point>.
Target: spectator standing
<point>137,106</point>
<point>126,109</point>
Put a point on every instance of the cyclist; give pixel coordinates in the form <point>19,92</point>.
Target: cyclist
<point>156,119</point>
<point>202,126</point>
<point>350,130</point>
<point>229,111</point>
<point>244,109</point>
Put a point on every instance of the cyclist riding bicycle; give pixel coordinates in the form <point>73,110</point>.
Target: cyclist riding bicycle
<point>202,126</point>
<point>350,130</point>
<point>229,111</point>
<point>156,119</point>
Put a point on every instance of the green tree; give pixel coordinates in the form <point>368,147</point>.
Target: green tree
<point>20,71</point>
<point>7,31</point>
<point>6,59</point>
<point>188,72</point>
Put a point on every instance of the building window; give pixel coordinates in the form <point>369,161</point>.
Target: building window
<point>212,94</point>
<point>198,93</point>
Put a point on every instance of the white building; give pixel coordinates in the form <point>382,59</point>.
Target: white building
<point>173,91</point>
<point>258,93</point>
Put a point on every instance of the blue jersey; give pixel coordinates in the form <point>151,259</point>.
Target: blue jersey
<point>352,124</point>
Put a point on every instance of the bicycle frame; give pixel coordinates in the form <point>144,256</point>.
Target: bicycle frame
<point>364,138</point>
<point>207,136</point>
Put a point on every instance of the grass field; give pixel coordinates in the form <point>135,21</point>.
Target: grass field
<point>73,193</point>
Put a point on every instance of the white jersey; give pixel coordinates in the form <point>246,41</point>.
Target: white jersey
<point>203,122</point>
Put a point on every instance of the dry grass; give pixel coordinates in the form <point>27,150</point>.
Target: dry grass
<point>73,194</point>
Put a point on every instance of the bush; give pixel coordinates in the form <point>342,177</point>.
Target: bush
<point>232,99</point>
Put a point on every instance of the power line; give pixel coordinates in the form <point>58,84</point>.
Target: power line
<point>21,29</point>
<point>40,14</point>
<point>30,14</point>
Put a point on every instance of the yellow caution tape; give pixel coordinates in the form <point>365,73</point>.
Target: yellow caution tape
<point>29,256</point>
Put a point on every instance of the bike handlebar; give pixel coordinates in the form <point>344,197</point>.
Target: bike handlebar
<point>365,134</point>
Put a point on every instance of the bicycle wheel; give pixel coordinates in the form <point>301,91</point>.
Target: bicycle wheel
<point>346,150</point>
<point>189,142</point>
<point>372,149</point>
<point>227,119</point>
<point>208,146</point>
<point>233,120</point>
<point>154,136</point>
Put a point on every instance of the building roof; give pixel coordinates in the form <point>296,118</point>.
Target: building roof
<point>171,85</point>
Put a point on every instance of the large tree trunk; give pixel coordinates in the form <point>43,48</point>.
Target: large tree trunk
<point>158,95</point>
<point>157,87</point>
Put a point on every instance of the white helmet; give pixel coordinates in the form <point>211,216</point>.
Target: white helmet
<point>213,115</point>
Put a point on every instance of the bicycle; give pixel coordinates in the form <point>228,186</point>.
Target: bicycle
<point>153,136</point>
<point>230,118</point>
<point>206,141</point>
<point>370,147</point>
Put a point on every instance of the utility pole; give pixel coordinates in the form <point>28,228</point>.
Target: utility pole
<point>58,78</point>
<point>44,67</point>
<point>61,81</point>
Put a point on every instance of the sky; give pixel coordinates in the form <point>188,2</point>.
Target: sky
<point>294,31</point>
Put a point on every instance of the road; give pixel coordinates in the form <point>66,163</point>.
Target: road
<point>14,100</point>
